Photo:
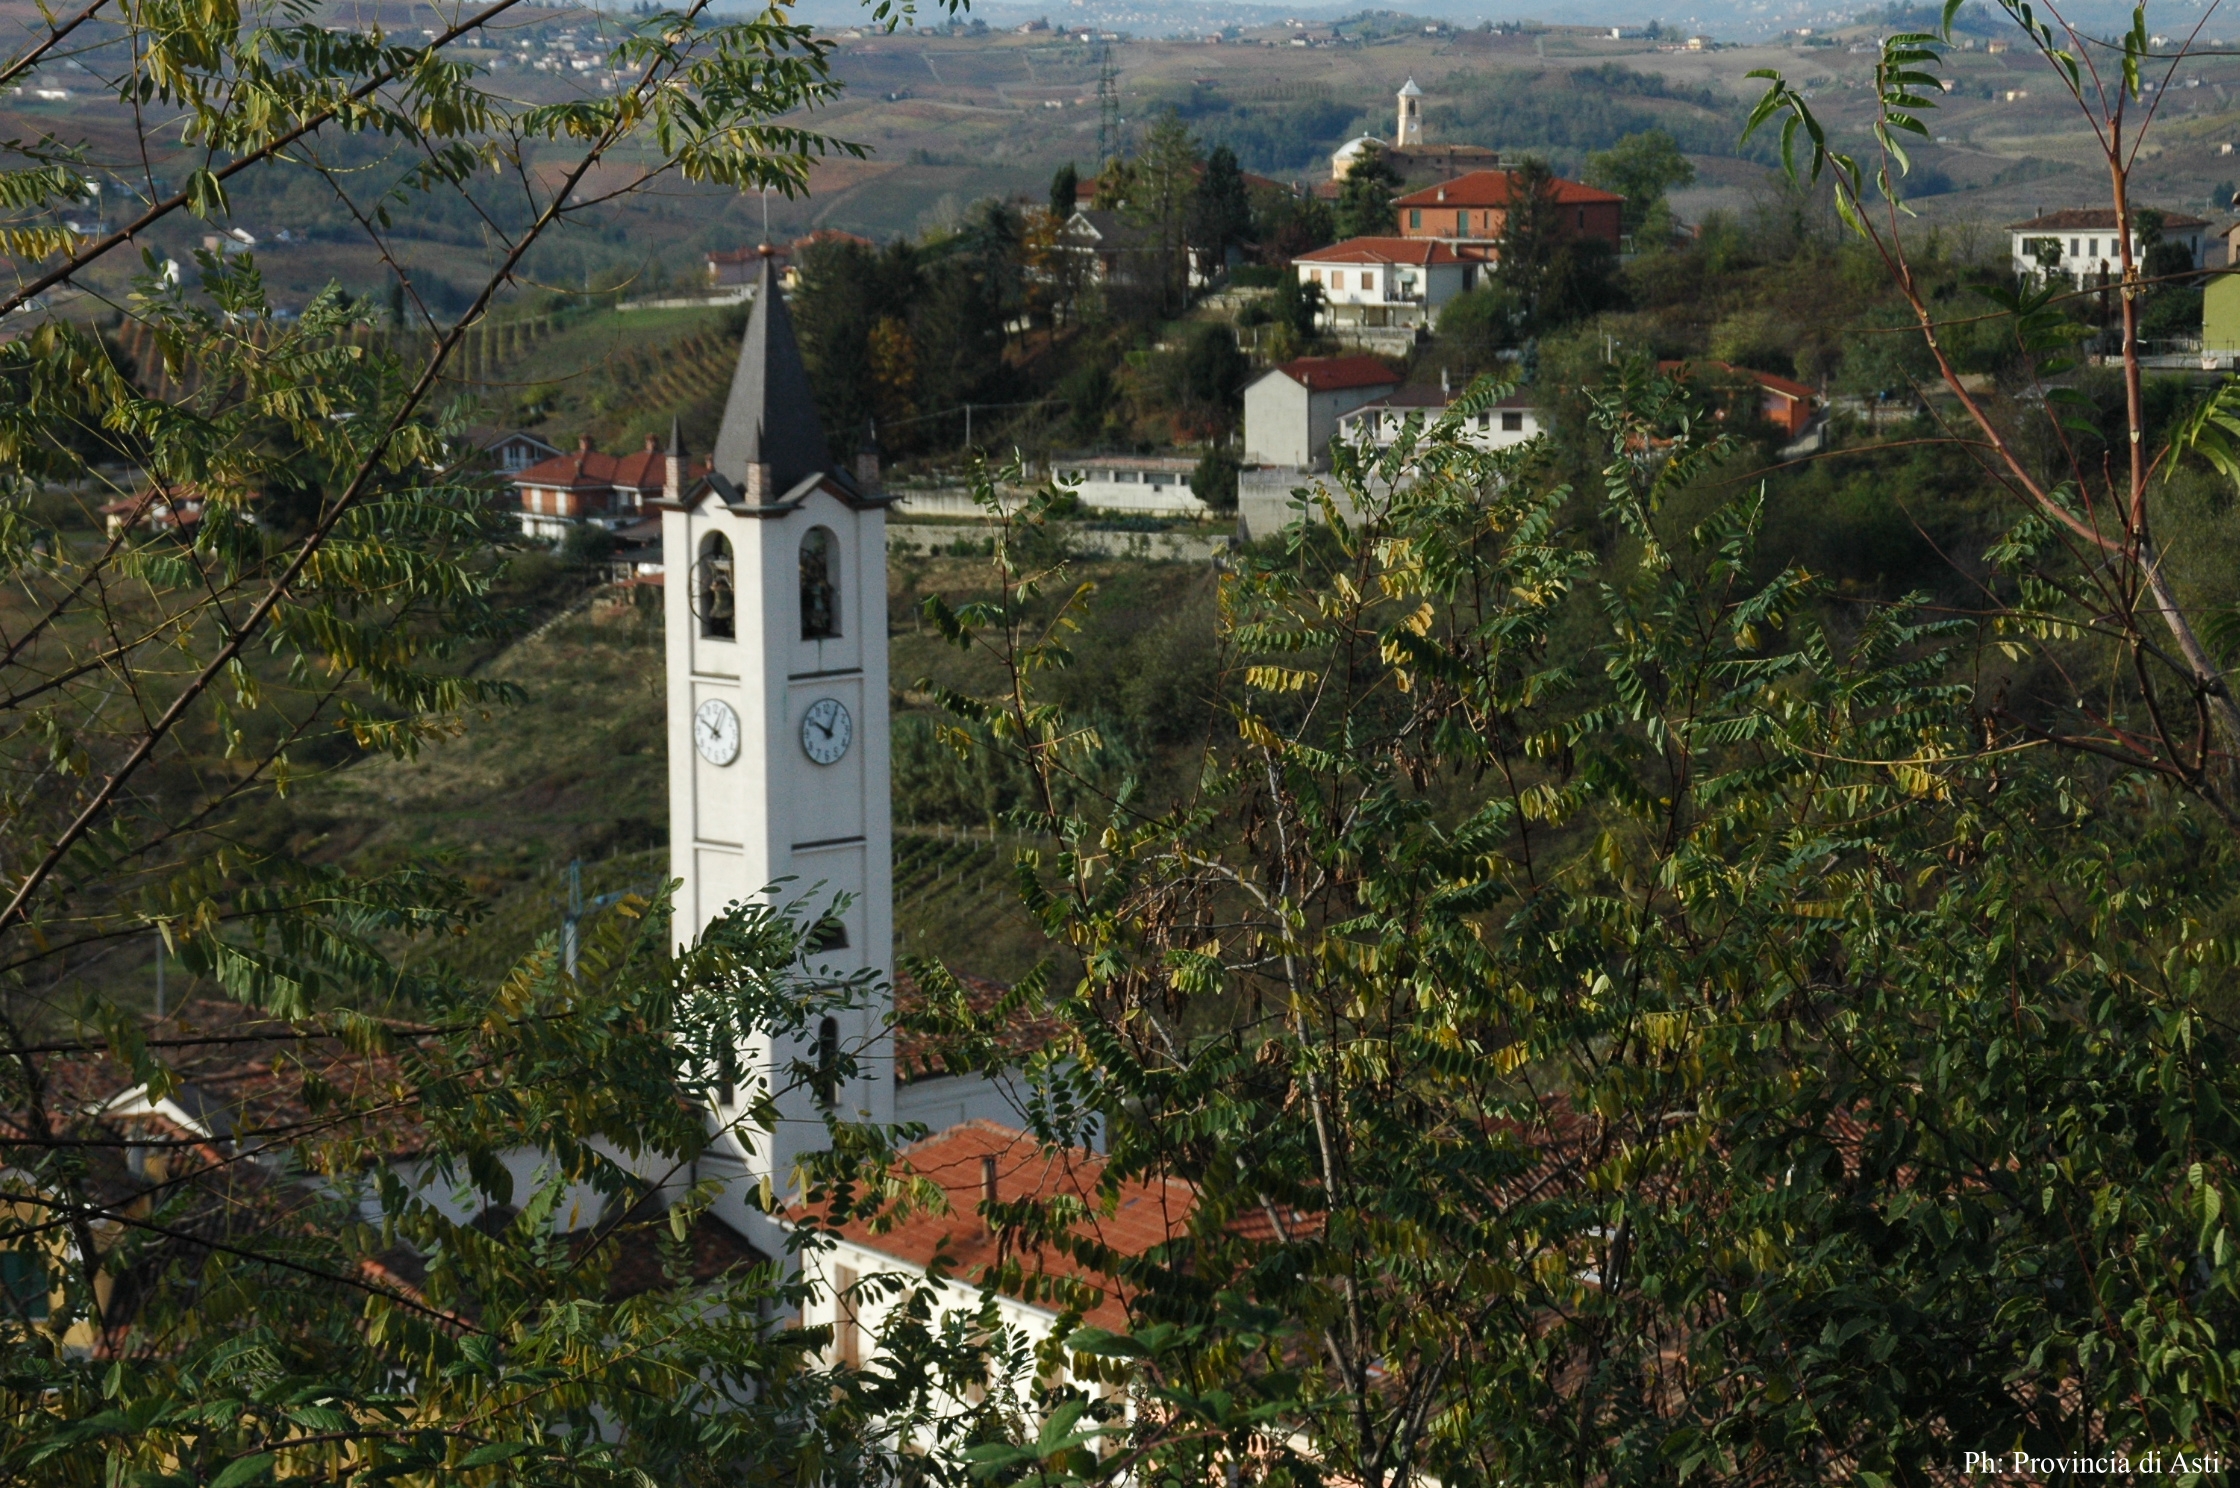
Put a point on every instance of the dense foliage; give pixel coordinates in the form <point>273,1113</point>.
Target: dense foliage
<point>1627,1017</point>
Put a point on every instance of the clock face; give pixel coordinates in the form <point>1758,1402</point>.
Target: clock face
<point>715,732</point>
<point>826,730</point>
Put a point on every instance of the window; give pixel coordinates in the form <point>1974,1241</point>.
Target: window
<point>1368,280</point>
<point>1582,216</point>
<point>2095,247</point>
<point>829,934</point>
<point>1415,216</point>
<point>828,1062</point>
<point>1485,420</point>
<point>1512,423</point>
<point>1314,276</point>
<point>2073,252</point>
<point>23,1273</point>
<point>820,585</point>
<point>714,598</point>
<point>1462,222</point>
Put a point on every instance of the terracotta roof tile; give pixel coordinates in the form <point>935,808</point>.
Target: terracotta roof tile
<point>922,1054</point>
<point>1419,251</point>
<point>1146,1214</point>
<point>1329,374</point>
<point>1772,382</point>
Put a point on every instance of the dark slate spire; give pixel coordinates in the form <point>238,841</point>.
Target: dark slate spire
<point>771,418</point>
<point>676,437</point>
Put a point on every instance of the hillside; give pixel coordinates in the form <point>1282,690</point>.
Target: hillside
<point>943,119</point>
<point>577,769</point>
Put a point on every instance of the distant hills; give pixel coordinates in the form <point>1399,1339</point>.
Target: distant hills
<point>1738,20</point>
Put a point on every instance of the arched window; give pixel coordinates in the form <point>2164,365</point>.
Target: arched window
<point>828,1061</point>
<point>820,585</point>
<point>714,597</point>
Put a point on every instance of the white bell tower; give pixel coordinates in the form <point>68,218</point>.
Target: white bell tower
<point>776,620</point>
<point>1410,124</point>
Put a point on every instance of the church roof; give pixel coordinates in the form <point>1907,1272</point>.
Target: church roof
<point>771,417</point>
<point>1410,90</point>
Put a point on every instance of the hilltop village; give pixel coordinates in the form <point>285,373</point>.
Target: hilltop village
<point>739,751</point>
<point>1176,342</point>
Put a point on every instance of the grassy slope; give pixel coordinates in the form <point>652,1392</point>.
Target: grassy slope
<point>578,769</point>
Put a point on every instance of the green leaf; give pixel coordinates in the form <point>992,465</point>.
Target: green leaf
<point>243,1470</point>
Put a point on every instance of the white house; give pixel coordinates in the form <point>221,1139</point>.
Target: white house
<point>1386,282</point>
<point>1291,411</point>
<point>2082,241</point>
<point>1144,486</point>
<point>1511,421</point>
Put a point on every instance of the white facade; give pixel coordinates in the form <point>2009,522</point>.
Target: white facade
<point>1133,487</point>
<point>1369,286</point>
<point>2081,252</point>
<point>856,1313</point>
<point>1508,423</point>
<point>773,812</point>
<point>784,804</point>
<point>1289,422</point>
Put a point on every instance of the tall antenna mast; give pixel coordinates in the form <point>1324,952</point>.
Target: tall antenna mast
<point>1108,105</point>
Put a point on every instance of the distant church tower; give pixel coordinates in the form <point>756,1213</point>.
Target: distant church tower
<point>776,617</point>
<point>1410,131</point>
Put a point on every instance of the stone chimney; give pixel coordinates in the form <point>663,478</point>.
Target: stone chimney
<point>867,459</point>
<point>672,477</point>
<point>989,1194</point>
<point>760,488</point>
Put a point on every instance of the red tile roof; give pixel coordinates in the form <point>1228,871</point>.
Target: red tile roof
<point>1329,374</point>
<point>250,1079</point>
<point>923,1052</point>
<point>585,468</point>
<point>1491,189</point>
<point>1772,382</point>
<point>1146,1214</point>
<point>1383,251</point>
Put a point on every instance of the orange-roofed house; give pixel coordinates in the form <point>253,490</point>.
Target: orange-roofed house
<point>1471,212</point>
<point>977,1165</point>
<point>1291,411</point>
<point>1788,405</point>
<point>585,486</point>
<point>1385,284</point>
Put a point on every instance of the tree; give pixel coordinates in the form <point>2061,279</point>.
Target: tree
<point>1296,305</point>
<point>1532,233</point>
<point>1364,208</point>
<point>518,1342</point>
<point>1561,1036</point>
<point>1481,324</point>
<point>1289,223</point>
<point>2088,518</point>
<point>1065,186</point>
<point>1220,207</point>
<point>1641,168</point>
<point>1214,481</point>
<point>1207,379</point>
<point>852,312</point>
<point>175,666</point>
<point>1164,181</point>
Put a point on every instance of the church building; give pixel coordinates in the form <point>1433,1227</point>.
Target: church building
<point>1406,152</point>
<point>776,629</point>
